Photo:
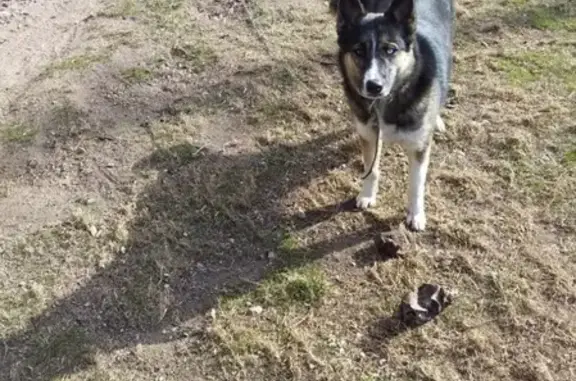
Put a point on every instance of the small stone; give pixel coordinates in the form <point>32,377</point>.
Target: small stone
<point>256,310</point>
<point>201,267</point>
<point>271,255</point>
<point>93,230</point>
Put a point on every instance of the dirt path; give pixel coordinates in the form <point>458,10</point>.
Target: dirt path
<point>34,33</point>
<point>73,102</point>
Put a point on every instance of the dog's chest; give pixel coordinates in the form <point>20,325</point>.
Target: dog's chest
<point>409,138</point>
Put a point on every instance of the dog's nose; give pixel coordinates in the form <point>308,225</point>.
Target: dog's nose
<point>373,88</point>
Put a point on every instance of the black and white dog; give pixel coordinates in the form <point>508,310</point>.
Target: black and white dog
<point>396,59</point>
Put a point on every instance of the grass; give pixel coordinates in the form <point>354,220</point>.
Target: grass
<point>304,287</point>
<point>136,74</point>
<point>570,157</point>
<point>559,17</point>
<point>78,62</point>
<point>131,8</point>
<point>197,57</point>
<point>539,67</point>
<point>217,250</point>
<point>17,133</point>
<point>70,345</point>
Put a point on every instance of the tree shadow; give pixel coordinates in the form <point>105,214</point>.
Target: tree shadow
<point>201,231</point>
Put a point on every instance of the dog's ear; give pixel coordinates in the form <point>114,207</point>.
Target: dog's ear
<point>349,11</point>
<point>402,11</point>
<point>377,6</point>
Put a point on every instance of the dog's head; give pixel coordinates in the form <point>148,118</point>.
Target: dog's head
<point>376,40</point>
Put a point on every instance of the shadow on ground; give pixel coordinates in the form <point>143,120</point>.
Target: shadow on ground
<point>202,231</point>
<point>381,332</point>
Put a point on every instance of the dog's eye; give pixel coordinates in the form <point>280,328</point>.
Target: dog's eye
<point>390,50</point>
<point>359,52</point>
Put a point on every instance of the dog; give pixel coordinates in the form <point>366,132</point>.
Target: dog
<point>395,58</point>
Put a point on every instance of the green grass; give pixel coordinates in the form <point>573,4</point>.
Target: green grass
<point>136,74</point>
<point>570,157</point>
<point>302,287</point>
<point>75,63</point>
<point>17,133</point>
<point>554,18</point>
<point>288,244</point>
<point>544,66</point>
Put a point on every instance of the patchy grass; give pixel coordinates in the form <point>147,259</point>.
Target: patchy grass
<point>17,133</point>
<point>540,67</point>
<point>288,244</point>
<point>75,63</point>
<point>119,9</point>
<point>42,263</point>
<point>220,251</point>
<point>558,17</point>
<point>297,288</point>
<point>136,74</point>
<point>305,287</point>
<point>131,8</point>
<point>570,157</point>
<point>196,57</point>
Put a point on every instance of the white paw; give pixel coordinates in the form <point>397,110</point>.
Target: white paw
<point>363,202</point>
<point>416,222</point>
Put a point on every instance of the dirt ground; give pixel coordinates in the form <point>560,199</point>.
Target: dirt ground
<point>171,173</point>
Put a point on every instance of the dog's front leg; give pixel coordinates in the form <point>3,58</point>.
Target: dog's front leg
<point>371,150</point>
<point>418,168</point>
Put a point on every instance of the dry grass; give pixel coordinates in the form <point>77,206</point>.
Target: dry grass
<point>220,252</point>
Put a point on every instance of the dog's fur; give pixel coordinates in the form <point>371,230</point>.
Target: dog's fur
<point>395,57</point>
